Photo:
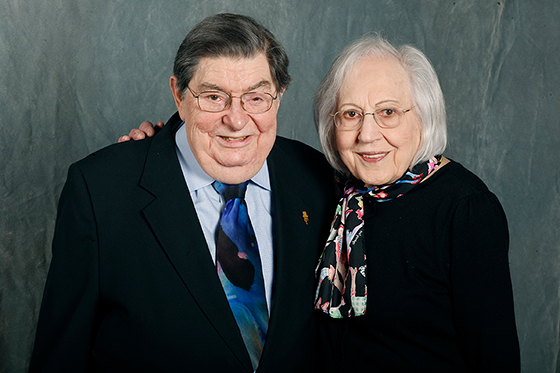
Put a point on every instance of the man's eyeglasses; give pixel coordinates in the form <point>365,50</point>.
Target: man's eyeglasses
<point>216,101</point>
<point>387,117</point>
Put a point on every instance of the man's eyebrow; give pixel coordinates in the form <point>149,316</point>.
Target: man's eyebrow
<point>262,83</point>
<point>210,87</point>
<point>215,87</point>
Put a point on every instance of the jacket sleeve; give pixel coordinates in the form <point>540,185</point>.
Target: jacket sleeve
<point>68,310</point>
<point>481,285</point>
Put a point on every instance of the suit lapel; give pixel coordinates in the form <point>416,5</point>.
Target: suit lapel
<point>174,222</point>
<point>296,248</point>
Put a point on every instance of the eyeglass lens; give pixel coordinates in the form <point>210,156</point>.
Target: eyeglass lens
<point>252,102</point>
<point>385,117</point>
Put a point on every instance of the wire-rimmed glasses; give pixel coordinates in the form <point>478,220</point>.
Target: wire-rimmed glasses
<point>386,117</point>
<point>216,101</point>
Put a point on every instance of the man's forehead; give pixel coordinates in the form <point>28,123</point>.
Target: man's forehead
<point>243,73</point>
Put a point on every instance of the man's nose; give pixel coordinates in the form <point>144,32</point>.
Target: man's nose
<point>235,116</point>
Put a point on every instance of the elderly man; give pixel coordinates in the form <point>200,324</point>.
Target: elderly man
<point>155,262</point>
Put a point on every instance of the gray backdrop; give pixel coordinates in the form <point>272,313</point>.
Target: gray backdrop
<point>77,74</point>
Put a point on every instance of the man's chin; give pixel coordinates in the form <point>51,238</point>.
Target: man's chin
<point>235,173</point>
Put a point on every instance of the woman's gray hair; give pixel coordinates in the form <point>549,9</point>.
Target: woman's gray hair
<point>230,35</point>
<point>425,92</point>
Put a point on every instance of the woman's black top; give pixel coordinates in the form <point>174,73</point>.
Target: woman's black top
<point>438,285</point>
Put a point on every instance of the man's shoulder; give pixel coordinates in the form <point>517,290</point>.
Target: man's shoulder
<point>129,155</point>
<point>129,158</point>
<point>118,157</point>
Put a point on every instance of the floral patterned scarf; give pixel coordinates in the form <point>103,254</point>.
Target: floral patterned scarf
<point>342,269</point>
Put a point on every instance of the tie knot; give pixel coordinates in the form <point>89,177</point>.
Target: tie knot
<point>230,191</point>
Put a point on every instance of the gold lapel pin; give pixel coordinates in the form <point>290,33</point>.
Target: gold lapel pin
<point>305,217</point>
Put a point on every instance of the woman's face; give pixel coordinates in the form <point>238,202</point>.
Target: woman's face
<point>376,155</point>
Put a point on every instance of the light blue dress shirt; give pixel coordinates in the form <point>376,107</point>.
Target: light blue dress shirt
<point>208,206</point>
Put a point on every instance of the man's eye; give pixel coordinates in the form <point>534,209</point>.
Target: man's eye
<point>254,98</point>
<point>213,97</point>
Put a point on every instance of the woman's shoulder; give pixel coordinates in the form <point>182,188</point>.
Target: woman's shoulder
<point>455,187</point>
<point>455,177</point>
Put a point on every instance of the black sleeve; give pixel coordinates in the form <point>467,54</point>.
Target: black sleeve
<point>481,286</point>
<point>64,330</point>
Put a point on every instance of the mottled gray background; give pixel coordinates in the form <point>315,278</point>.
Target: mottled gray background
<point>77,74</point>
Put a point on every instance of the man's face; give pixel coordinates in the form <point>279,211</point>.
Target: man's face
<point>230,146</point>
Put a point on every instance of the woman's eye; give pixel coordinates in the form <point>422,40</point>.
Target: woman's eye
<point>351,114</point>
<point>386,112</point>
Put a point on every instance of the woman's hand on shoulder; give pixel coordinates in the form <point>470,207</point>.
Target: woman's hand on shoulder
<point>146,129</point>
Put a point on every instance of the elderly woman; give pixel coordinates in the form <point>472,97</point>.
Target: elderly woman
<point>414,275</point>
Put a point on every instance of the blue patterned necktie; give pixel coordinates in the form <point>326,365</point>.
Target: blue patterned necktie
<point>239,268</point>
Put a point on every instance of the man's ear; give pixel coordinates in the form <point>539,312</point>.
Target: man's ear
<point>177,94</point>
<point>279,95</point>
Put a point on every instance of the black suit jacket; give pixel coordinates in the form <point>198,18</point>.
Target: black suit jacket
<point>132,286</point>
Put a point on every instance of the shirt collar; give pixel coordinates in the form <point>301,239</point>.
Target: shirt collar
<point>197,178</point>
